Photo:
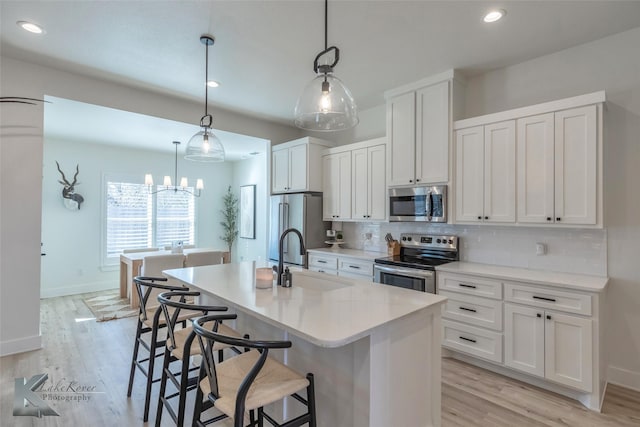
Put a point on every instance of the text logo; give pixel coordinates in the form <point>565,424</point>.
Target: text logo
<point>26,402</point>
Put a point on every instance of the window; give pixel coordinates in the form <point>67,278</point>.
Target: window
<point>137,219</point>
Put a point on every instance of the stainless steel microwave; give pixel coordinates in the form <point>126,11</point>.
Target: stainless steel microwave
<point>418,204</point>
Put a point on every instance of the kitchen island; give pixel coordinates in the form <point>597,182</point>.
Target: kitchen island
<point>374,349</point>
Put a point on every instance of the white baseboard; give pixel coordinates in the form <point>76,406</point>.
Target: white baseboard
<point>624,378</point>
<point>20,345</point>
<point>78,289</point>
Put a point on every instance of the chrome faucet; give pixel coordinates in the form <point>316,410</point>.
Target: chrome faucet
<point>281,251</point>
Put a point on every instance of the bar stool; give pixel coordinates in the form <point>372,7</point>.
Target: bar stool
<point>249,381</point>
<point>180,345</point>
<point>150,322</point>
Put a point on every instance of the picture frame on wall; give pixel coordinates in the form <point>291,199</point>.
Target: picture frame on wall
<point>248,211</point>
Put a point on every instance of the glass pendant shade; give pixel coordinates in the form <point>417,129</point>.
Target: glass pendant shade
<point>326,105</point>
<point>205,146</point>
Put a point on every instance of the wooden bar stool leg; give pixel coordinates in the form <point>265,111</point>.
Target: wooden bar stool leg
<point>151,365</point>
<point>136,346</point>
<point>163,385</point>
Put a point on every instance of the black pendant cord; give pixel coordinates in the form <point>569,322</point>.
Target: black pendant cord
<point>206,80</point>
<point>326,68</point>
<point>326,18</point>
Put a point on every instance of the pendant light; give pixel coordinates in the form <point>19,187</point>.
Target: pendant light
<point>184,183</point>
<point>205,146</point>
<point>326,104</point>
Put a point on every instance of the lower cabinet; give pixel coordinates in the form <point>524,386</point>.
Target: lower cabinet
<point>545,331</point>
<point>338,265</point>
<point>548,344</point>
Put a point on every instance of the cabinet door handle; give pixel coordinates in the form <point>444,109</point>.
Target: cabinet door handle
<point>548,218</point>
<point>558,219</point>
<point>467,339</point>
<point>538,315</point>
<point>544,298</point>
<point>548,317</point>
<point>357,267</point>
<point>417,180</point>
<point>468,309</point>
<point>410,180</point>
<point>321,261</point>
<point>467,286</point>
<point>321,271</point>
<point>479,217</point>
<point>486,217</point>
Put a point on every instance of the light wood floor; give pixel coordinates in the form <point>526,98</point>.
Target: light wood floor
<point>98,354</point>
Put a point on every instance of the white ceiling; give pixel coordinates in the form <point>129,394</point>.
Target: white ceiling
<point>264,50</point>
<point>77,121</point>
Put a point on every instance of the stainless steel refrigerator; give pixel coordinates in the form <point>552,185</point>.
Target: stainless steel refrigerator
<point>302,211</point>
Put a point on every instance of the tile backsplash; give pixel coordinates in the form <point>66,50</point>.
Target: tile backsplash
<point>582,251</point>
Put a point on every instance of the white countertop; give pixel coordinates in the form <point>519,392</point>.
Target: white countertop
<point>353,253</point>
<point>549,278</point>
<point>327,311</point>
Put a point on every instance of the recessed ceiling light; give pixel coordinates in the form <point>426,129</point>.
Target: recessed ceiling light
<point>494,15</point>
<point>213,83</point>
<point>253,153</point>
<point>30,26</point>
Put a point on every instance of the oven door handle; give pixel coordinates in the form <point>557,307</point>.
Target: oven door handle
<point>404,271</point>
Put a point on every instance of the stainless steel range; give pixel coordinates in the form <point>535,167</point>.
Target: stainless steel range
<point>414,268</point>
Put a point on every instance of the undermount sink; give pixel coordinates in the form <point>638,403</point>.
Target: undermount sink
<point>318,281</point>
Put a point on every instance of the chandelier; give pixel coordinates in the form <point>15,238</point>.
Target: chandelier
<point>166,184</point>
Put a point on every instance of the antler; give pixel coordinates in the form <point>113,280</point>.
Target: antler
<point>63,177</point>
<point>75,180</point>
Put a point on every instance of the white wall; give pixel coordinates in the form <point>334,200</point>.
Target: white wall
<point>254,171</point>
<point>73,238</point>
<point>611,64</point>
<point>21,151</point>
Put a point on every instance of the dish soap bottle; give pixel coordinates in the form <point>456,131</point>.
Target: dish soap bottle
<point>286,280</point>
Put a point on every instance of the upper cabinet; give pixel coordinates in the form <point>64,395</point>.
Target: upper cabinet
<point>354,186</point>
<point>556,167</point>
<point>485,173</point>
<point>296,165</point>
<point>418,127</point>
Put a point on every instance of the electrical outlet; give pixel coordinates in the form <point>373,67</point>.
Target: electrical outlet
<point>541,249</point>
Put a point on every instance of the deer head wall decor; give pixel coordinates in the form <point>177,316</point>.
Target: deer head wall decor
<point>68,191</point>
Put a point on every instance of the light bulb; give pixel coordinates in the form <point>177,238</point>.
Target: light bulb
<point>325,98</point>
<point>205,144</point>
<point>184,182</point>
<point>167,181</point>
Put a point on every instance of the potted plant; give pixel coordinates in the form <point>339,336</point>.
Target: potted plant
<point>230,219</point>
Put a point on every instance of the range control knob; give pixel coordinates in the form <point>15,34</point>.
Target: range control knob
<point>404,238</point>
<point>409,238</point>
<point>438,241</point>
<point>450,242</point>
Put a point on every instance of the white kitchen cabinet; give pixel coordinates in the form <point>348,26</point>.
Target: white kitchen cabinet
<point>368,183</point>
<point>546,325</point>
<point>336,177</point>
<point>340,265</point>
<point>354,182</point>
<point>418,127</point>
<point>296,165</point>
<point>548,344</point>
<point>486,173</point>
<point>557,167</point>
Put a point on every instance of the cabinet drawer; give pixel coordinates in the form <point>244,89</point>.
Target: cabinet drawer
<point>328,262</point>
<point>470,285</point>
<point>471,309</point>
<point>475,341</point>
<point>571,302</point>
<point>357,266</point>
<point>323,270</point>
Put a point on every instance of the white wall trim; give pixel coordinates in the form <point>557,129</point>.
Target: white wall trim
<point>20,345</point>
<point>78,289</point>
<point>624,377</point>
